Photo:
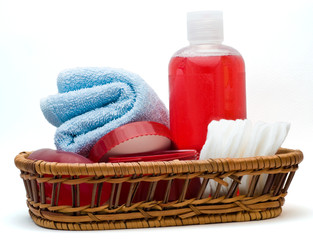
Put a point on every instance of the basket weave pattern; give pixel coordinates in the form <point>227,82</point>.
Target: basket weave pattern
<point>215,208</point>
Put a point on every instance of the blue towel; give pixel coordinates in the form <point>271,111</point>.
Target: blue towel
<point>93,101</point>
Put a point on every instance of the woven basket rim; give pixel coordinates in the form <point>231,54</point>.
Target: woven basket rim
<point>283,158</point>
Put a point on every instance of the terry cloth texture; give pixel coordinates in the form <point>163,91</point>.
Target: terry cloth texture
<point>93,101</point>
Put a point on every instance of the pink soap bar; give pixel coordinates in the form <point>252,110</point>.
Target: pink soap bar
<point>136,137</point>
<point>65,193</point>
<point>50,155</point>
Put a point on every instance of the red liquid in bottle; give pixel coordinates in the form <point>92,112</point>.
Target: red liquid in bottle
<point>202,89</point>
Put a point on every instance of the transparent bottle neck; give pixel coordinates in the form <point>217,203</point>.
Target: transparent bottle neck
<point>215,42</point>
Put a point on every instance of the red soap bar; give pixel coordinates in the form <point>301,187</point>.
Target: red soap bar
<point>65,193</point>
<point>167,155</point>
<point>177,185</point>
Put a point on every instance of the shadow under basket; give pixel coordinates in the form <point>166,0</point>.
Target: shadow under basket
<point>140,194</point>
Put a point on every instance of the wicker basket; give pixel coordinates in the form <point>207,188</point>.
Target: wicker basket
<point>184,210</point>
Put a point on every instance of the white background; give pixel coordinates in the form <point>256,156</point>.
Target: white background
<point>38,39</point>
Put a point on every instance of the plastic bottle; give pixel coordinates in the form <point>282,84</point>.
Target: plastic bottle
<point>206,81</point>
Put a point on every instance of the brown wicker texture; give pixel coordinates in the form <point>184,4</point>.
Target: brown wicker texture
<point>199,209</point>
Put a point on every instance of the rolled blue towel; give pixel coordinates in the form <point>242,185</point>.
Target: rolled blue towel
<point>93,101</point>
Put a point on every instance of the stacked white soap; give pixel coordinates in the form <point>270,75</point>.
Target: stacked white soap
<point>242,138</point>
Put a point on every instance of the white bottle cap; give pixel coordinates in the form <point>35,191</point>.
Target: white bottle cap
<point>205,27</point>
